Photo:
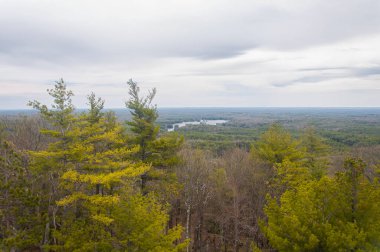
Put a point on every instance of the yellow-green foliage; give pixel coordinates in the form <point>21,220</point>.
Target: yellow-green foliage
<point>290,174</point>
<point>92,179</point>
<point>330,214</point>
<point>276,145</point>
<point>20,225</point>
<point>316,153</point>
<point>98,171</point>
<point>104,178</point>
<point>141,226</point>
<point>100,200</point>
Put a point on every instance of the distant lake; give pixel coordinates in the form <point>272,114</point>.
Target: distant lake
<point>201,122</point>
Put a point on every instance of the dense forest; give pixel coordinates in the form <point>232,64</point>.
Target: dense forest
<point>87,180</point>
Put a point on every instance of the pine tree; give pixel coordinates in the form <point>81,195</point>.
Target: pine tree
<point>160,151</point>
<point>330,214</point>
<point>285,156</point>
<point>20,225</point>
<point>142,226</point>
<point>144,116</point>
<point>315,153</point>
<point>87,176</point>
<point>49,165</point>
<point>61,113</point>
<point>276,145</point>
<point>101,171</point>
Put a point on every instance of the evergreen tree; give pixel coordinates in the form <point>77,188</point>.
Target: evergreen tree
<point>160,151</point>
<point>87,177</point>
<point>276,145</point>
<point>61,113</point>
<point>48,165</point>
<point>100,172</point>
<point>285,156</point>
<point>142,226</point>
<point>144,116</point>
<point>95,112</point>
<point>330,214</point>
<point>20,224</point>
<point>315,153</point>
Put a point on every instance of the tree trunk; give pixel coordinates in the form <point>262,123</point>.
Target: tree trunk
<point>236,223</point>
<point>188,211</point>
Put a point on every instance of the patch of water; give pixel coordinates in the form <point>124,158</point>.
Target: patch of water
<point>201,122</point>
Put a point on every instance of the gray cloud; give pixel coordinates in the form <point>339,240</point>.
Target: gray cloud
<point>320,69</point>
<point>188,47</point>
<point>64,32</point>
<point>367,71</point>
<point>237,89</point>
<point>319,74</point>
<point>13,102</point>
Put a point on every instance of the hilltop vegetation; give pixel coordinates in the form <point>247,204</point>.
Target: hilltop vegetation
<point>267,180</point>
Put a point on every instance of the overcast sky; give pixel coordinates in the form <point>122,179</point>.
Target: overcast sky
<point>197,53</point>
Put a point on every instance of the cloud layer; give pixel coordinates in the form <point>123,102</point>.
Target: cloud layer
<point>197,53</point>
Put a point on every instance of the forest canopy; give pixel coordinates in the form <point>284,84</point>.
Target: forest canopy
<point>84,180</point>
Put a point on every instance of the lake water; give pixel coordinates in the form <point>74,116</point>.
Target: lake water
<point>201,122</point>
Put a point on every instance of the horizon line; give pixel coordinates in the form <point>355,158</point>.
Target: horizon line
<point>232,107</point>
